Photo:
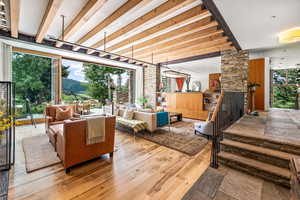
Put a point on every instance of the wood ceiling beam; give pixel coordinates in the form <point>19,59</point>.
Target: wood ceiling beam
<point>185,30</point>
<point>51,10</point>
<point>159,12</point>
<point>211,6</point>
<point>90,8</point>
<point>186,17</point>
<point>192,58</point>
<point>114,16</point>
<point>187,39</point>
<point>14,17</point>
<point>189,52</point>
<point>196,45</point>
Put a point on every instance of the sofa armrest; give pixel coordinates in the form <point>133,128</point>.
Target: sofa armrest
<point>149,118</point>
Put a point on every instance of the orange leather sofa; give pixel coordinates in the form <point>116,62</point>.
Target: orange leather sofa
<point>71,142</point>
<point>50,120</point>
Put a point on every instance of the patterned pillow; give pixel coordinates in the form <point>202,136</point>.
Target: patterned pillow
<point>128,114</point>
<point>63,114</point>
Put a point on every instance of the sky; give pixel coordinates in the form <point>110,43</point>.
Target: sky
<point>76,72</point>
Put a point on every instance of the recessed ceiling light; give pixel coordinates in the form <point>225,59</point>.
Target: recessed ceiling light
<point>290,35</point>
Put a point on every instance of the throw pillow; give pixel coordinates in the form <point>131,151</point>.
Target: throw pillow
<point>63,114</point>
<point>128,114</point>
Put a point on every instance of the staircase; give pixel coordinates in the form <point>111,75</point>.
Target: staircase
<point>260,156</point>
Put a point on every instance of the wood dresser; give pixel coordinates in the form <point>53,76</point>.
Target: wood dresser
<point>190,104</point>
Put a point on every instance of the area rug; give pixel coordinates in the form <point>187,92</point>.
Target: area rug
<point>181,137</point>
<point>39,153</point>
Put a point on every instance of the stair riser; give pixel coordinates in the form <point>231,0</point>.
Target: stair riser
<point>255,172</point>
<point>256,156</point>
<point>264,143</point>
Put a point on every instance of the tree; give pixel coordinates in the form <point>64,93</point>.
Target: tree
<point>64,71</point>
<point>285,87</point>
<point>98,77</point>
<point>32,76</point>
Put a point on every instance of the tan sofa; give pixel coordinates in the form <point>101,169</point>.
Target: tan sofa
<point>149,118</point>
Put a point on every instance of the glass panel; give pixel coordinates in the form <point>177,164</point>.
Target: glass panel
<point>293,76</point>
<point>284,97</point>
<point>32,75</point>
<point>85,82</point>
<point>279,77</point>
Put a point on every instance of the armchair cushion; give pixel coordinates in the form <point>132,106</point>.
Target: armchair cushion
<point>205,128</point>
<point>63,114</point>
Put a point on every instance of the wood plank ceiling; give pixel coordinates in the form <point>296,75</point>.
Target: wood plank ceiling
<point>174,29</point>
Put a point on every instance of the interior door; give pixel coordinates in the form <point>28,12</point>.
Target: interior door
<point>256,73</point>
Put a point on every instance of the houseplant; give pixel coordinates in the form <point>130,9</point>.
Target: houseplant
<point>251,100</point>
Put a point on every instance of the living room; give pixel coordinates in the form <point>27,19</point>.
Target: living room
<point>139,99</point>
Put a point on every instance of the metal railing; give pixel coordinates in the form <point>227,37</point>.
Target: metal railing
<point>229,109</point>
<point>7,136</point>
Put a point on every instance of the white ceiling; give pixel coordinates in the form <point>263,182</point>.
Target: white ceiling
<point>31,17</point>
<point>252,23</point>
<point>198,67</point>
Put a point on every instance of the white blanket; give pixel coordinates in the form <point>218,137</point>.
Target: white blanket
<point>95,131</point>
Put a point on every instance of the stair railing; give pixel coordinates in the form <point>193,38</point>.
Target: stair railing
<point>229,108</point>
<point>216,132</point>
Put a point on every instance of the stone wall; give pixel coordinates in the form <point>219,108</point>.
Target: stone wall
<point>151,84</point>
<point>234,69</point>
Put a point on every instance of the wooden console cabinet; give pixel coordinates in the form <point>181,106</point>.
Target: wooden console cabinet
<point>190,104</point>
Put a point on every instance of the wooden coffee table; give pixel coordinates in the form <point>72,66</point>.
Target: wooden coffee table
<point>173,115</point>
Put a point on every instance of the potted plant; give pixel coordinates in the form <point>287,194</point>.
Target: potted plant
<point>143,101</point>
<point>252,88</point>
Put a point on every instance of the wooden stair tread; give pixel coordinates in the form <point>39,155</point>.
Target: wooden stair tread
<point>258,149</point>
<point>261,137</point>
<point>257,164</point>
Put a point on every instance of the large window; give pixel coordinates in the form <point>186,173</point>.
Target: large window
<point>32,76</point>
<point>284,87</point>
<point>85,81</point>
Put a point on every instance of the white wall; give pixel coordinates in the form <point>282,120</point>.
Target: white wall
<point>199,71</point>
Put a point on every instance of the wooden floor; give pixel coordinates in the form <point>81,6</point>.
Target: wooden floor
<point>139,170</point>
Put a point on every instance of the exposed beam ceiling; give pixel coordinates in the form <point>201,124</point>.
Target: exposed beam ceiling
<point>183,31</point>
<point>201,43</point>
<point>147,30</point>
<point>51,10</point>
<point>188,52</point>
<point>186,17</point>
<point>159,12</point>
<point>14,17</point>
<point>114,16</point>
<point>193,37</point>
<point>90,8</point>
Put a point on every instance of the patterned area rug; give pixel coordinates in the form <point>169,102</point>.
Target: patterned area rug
<point>39,153</point>
<point>181,137</point>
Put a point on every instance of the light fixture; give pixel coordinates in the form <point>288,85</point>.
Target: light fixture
<point>290,35</point>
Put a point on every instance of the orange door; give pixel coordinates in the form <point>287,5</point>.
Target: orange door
<point>256,73</point>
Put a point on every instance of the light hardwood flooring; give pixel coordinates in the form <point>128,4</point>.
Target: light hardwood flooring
<point>139,170</point>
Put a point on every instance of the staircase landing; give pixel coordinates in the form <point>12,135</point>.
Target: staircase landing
<point>263,145</point>
<point>277,125</point>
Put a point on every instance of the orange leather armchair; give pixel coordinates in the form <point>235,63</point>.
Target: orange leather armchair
<point>71,142</point>
<point>50,120</point>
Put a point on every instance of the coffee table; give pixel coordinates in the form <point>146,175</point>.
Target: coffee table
<point>176,115</point>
